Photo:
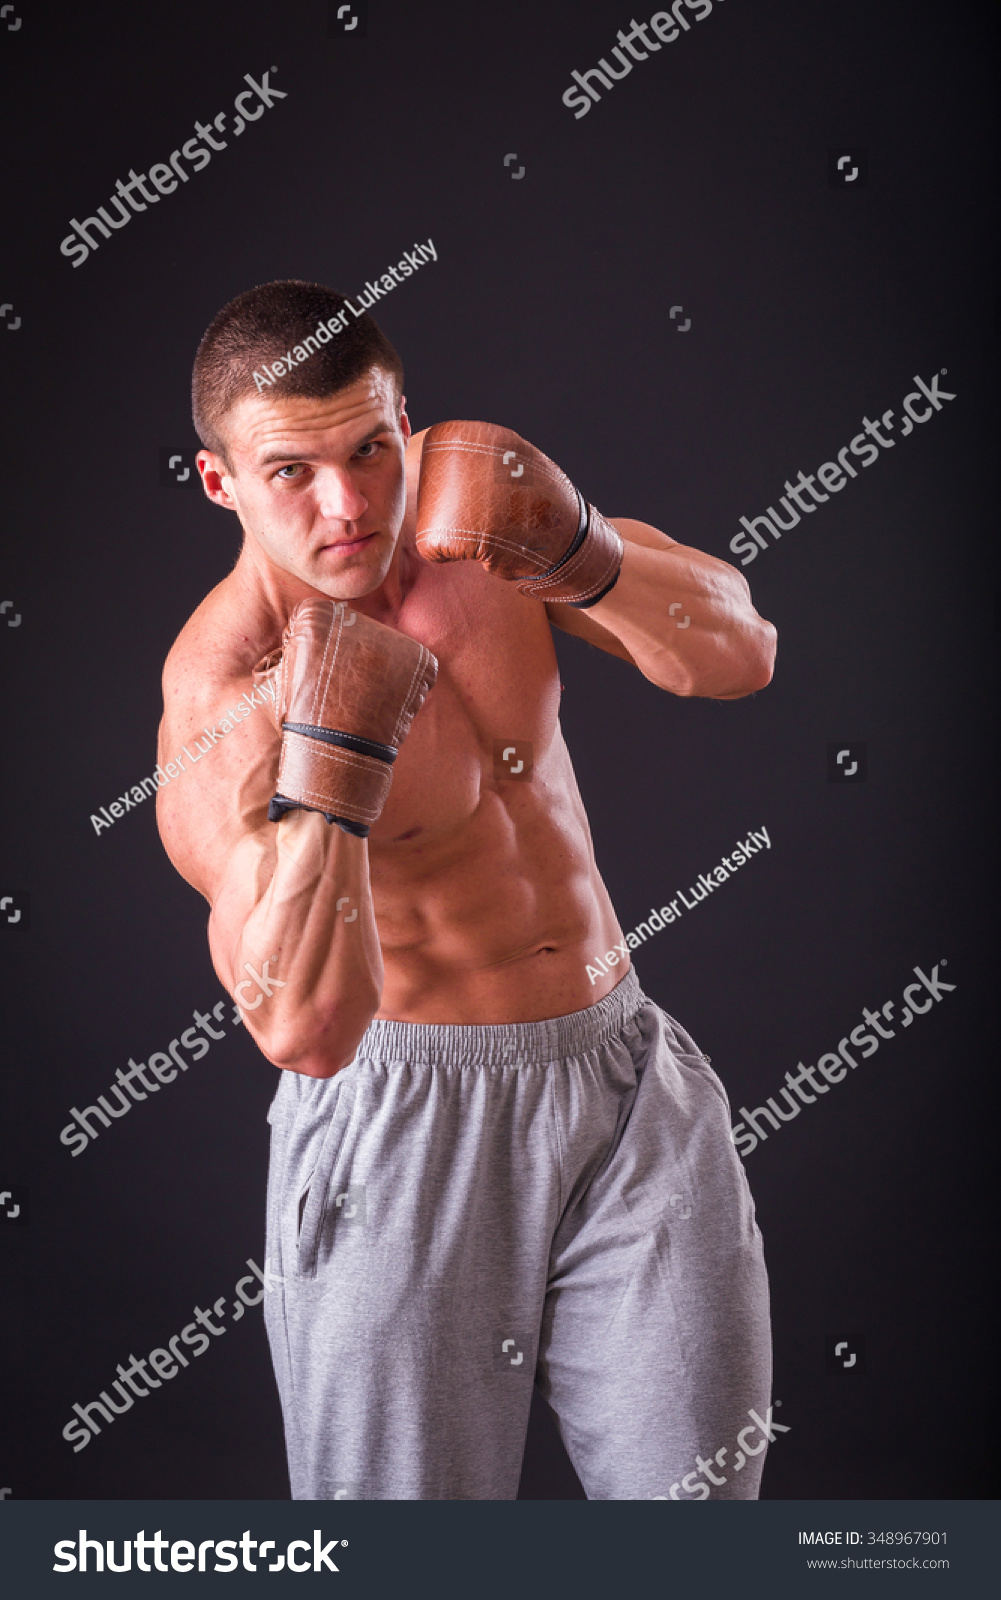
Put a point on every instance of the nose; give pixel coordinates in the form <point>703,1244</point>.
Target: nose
<point>339,499</point>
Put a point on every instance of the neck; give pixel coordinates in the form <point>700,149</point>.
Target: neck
<point>273,593</point>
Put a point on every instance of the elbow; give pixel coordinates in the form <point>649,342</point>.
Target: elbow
<point>726,667</point>
<point>317,1066</point>
<point>317,1046</point>
<point>734,673</point>
<point>754,667</point>
<point>757,673</point>
<point>761,662</point>
<point>320,1061</point>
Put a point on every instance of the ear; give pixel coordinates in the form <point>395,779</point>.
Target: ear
<point>216,479</point>
<point>415,447</point>
<point>405,427</point>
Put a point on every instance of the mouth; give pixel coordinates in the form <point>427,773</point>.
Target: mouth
<point>347,547</point>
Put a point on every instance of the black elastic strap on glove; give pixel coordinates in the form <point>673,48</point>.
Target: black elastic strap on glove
<point>278,805</point>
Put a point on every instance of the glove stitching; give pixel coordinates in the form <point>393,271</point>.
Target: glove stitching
<point>325,674</point>
<point>542,463</point>
<point>406,710</point>
<point>563,579</point>
<point>471,536</point>
<point>366,766</point>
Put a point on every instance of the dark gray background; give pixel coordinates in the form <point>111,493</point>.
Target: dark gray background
<point>700,180</point>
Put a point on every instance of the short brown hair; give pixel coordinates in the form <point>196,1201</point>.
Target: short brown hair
<point>260,326</point>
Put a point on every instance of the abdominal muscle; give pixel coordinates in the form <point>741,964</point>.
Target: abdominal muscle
<point>495,919</point>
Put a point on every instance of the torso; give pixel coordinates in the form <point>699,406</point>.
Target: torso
<point>487,898</point>
<point>493,908</point>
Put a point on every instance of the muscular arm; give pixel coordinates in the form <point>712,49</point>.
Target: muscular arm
<point>273,888</point>
<point>310,938</point>
<point>723,651</point>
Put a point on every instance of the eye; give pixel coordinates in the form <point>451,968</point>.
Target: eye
<point>286,473</point>
<point>368,450</point>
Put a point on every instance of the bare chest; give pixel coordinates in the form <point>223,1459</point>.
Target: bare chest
<point>493,714</point>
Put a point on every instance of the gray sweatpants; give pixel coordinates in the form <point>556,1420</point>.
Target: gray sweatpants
<point>465,1210</point>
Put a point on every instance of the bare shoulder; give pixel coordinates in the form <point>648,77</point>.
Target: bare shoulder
<point>222,642</point>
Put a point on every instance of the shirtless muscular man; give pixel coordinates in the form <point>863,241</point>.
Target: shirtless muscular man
<point>485,1173</point>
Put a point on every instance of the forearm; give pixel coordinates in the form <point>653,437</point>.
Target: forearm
<point>688,622</point>
<point>314,931</point>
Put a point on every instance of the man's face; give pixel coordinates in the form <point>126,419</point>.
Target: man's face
<point>318,484</point>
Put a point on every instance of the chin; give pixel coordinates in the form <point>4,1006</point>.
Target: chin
<point>353,583</point>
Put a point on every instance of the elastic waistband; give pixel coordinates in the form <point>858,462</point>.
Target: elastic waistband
<point>486,1044</point>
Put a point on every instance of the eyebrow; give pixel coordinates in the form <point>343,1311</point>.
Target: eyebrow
<point>271,456</point>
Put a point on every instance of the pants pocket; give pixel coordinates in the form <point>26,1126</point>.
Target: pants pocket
<point>312,1200</point>
<point>302,1205</point>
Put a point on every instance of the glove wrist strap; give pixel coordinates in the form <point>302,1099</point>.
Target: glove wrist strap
<point>347,741</point>
<point>278,806</point>
<point>588,570</point>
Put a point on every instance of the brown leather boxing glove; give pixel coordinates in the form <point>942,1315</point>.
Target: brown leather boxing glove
<point>348,690</point>
<point>487,495</point>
